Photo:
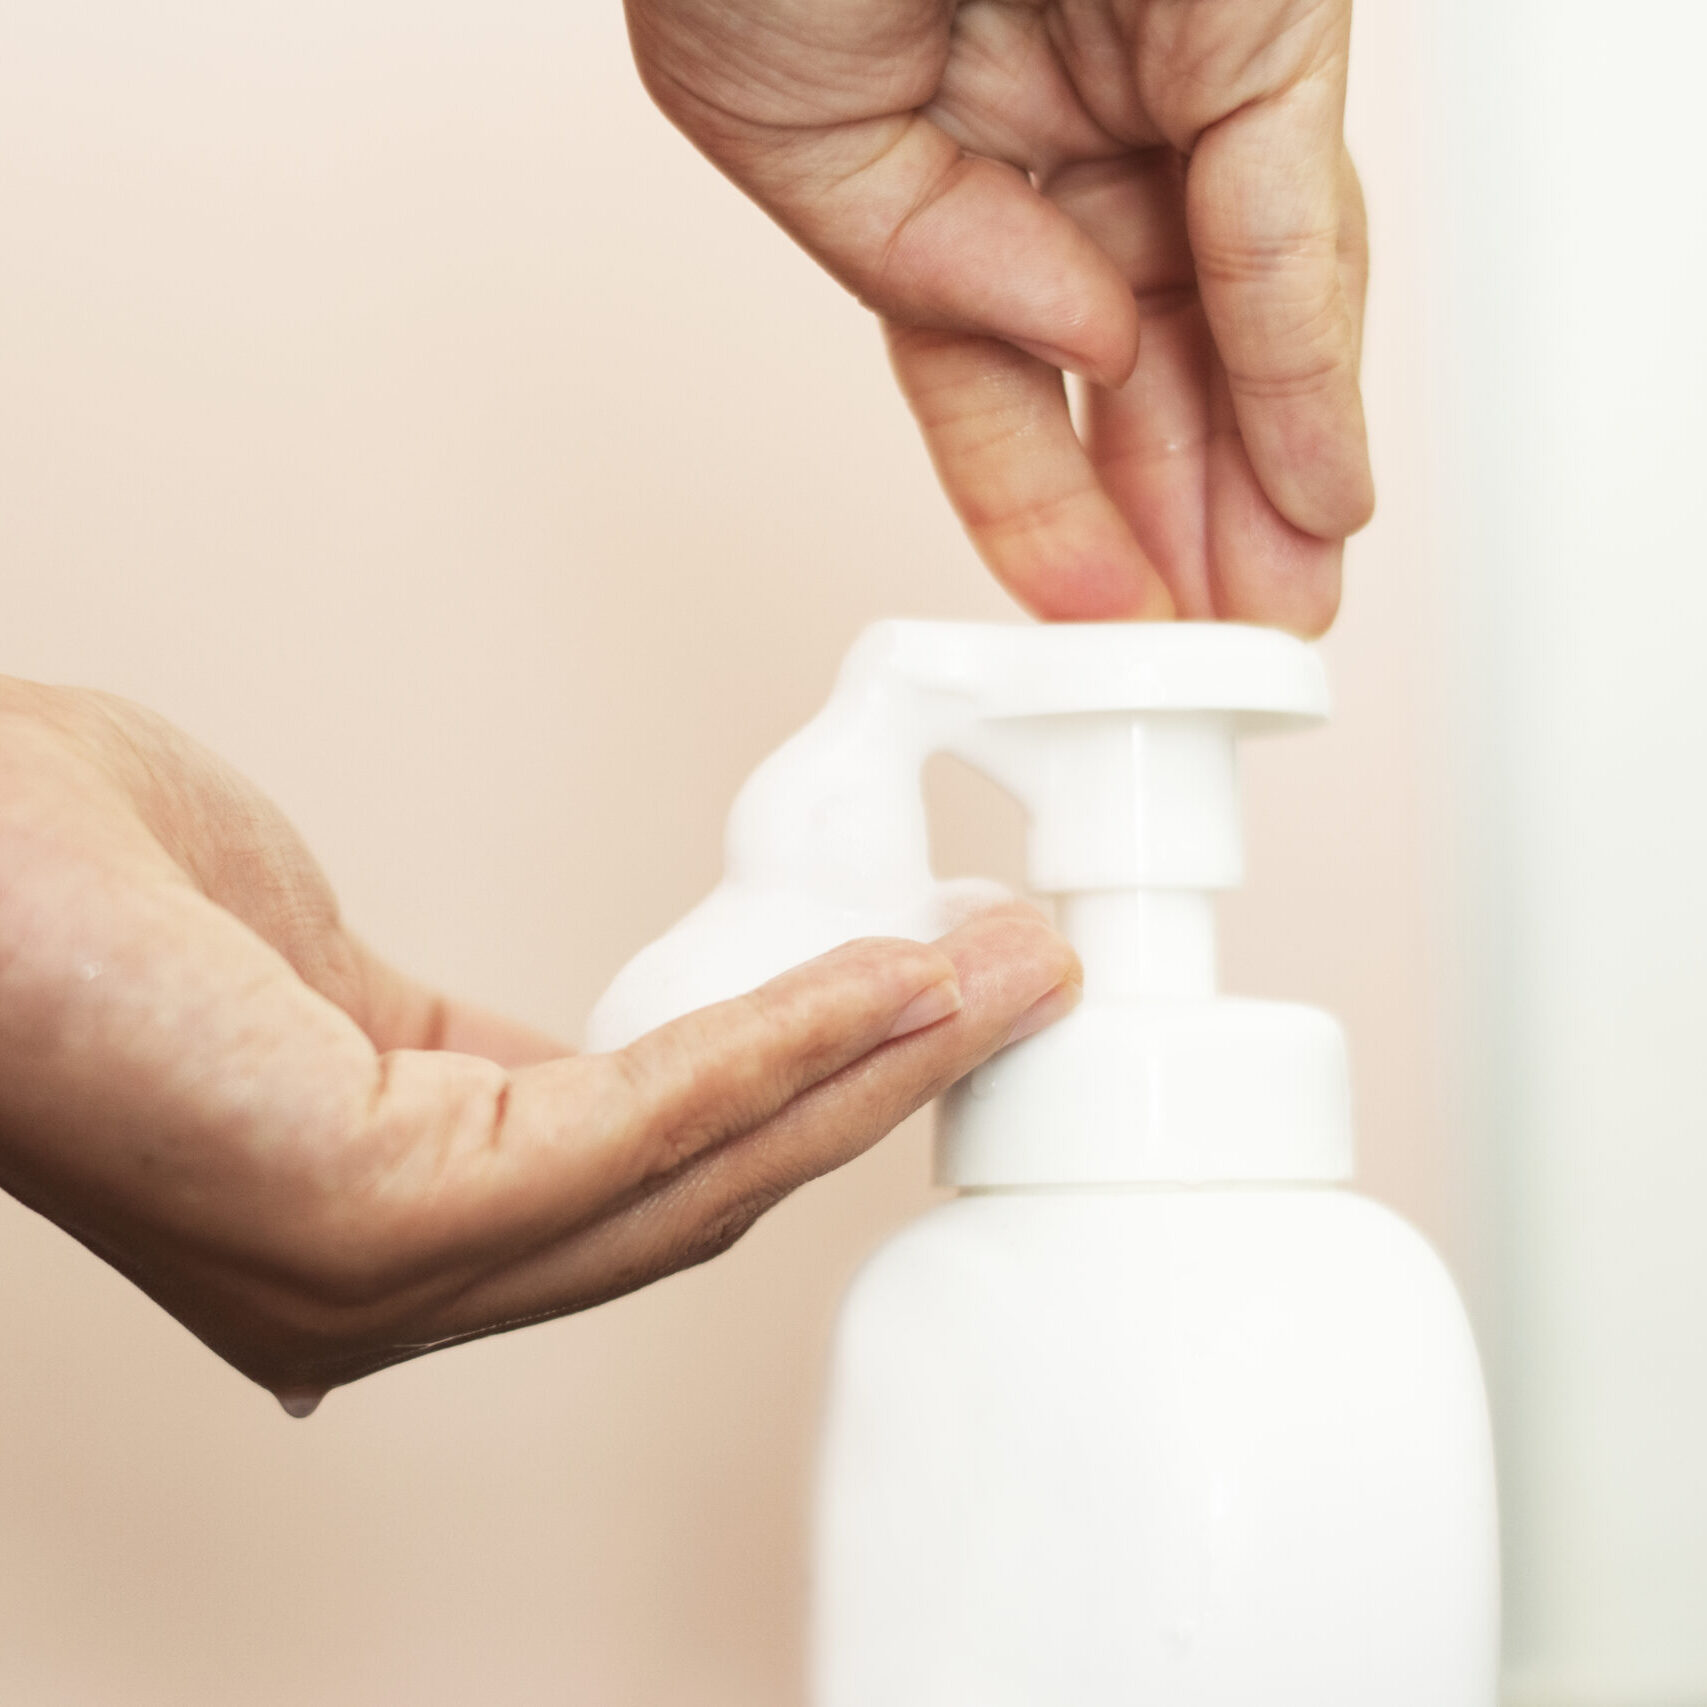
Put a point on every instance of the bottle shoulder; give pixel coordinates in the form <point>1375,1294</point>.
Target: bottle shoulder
<point>1329,1259</point>
<point>996,1220</point>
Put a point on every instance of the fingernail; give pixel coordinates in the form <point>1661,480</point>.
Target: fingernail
<point>926,1008</point>
<point>1059,1002</point>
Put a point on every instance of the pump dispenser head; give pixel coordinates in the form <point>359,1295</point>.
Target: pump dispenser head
<point>1119,741</point>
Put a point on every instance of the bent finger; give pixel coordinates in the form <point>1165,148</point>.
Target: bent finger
<point>1001,438</point>
<point>1264,196</point>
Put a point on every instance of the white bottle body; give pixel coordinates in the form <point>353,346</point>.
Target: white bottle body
<point>1157,1446</point>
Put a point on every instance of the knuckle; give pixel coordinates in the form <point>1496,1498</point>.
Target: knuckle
<point>1290,336</point>
<point>1305,377</point>
<point>976,412</point>
<point>1267,260</point>
<point>1040,515</point>
<point>1296,352</point>
<point>802,1033</point>
<point>721,1235</point>
<point>673,1142</point>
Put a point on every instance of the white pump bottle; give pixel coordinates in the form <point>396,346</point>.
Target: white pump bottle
<point>1151,1414</point>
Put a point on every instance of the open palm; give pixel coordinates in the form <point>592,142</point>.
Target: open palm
<point>321,1167</point>
<point>1153,194</point>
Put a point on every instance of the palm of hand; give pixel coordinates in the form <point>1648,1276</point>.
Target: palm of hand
<point>1152,194</point>
<point>322,1168</point>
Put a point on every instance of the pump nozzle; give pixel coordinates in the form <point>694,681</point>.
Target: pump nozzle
<point>1118,739</point>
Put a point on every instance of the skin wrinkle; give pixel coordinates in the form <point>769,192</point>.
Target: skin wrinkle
<point>1002,410</point>
<point>288,895</point>
<point>976,433</point>
<point>1300,382</point>
<point>166,800</point>
<point>614,1283</point>
<point>1253,72</point>
<point>969,106</point>
<point>1102,72</point>
<point>1319,316</point>
<point>1256,259</point>
<point>913,74</point>
<point>500,1114</point>
<point>670,1137</point>
<point>1033,517</point>
<point>420,1176</point>
<point>379,1087</point>
<point>930,195</point>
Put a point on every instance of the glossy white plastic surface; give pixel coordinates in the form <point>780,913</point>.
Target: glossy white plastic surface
<point>1119,739</point>
<point>1151,1418</point>
<point>1157,1447</point>
<point>1128,1091</point>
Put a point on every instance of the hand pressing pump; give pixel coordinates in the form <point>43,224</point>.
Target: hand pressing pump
<point>1152,1412</point>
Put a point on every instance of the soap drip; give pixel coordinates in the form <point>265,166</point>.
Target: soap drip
<point>299,1401</point>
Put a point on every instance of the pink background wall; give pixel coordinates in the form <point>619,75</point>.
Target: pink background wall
<point>391,398</point>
